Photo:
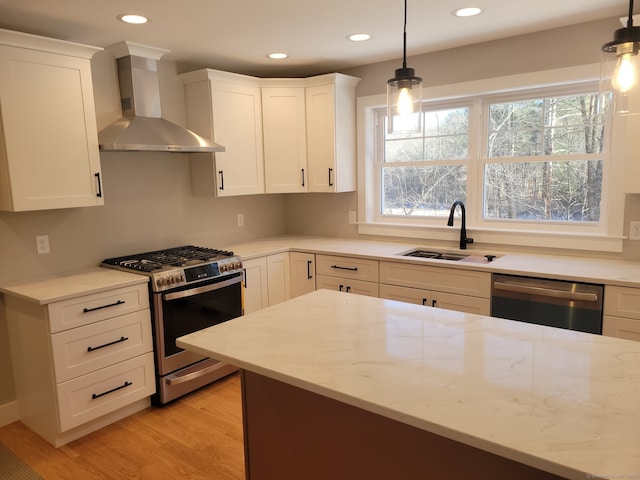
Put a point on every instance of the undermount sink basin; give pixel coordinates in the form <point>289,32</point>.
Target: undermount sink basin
<point>454,257</point>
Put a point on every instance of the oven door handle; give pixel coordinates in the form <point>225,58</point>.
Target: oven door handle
<point>198,290</point>
<point>177,379</point>
<point>546,292</point>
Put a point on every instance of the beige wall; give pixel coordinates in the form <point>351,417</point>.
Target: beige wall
<point>148,203</point>
<point>575,45</point>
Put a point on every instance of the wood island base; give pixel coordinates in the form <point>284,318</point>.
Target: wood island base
<point>291,433</point>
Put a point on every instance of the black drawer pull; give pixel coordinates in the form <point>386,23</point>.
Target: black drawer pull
<point>424,301</point>
<point>433,303</point>
<point>98,395</point>
<point>348,289</point>
<point>340,287</point>
<point>353,269</point>
<point>87,310</point>
<point>309,262</point>
<point>122,339</point>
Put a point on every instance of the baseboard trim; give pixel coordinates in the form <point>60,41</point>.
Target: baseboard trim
<point>8,413</point>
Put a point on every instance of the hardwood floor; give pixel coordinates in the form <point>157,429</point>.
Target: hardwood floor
<point>198,436</point>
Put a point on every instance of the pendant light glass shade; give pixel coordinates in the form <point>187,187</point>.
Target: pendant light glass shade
<point>404,95</point>
<point>620,69</point>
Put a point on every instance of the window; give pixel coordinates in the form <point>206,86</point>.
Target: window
<point>525,161</point>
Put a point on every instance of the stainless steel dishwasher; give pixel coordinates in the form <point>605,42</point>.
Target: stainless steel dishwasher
<point>554,303</point>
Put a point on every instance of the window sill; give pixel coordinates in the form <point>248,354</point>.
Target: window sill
<point>538,239</point>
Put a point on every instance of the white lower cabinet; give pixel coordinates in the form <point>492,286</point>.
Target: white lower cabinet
<point>449,288</point>
<point>266,281</point>
<point>83,362</point>
<point>303,273</point>
<point>621,312</point>
<point>347,274</point>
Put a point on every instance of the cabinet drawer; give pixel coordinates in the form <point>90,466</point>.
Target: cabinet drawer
<point>622,302</point>
<point>347,285</point>
<point>84,349</point>
<point>464,282</point>
<point>405,294</point>
<point>347,267</point>
<point>98,306</point>
<point>619,327</point>
<point>88,397</point>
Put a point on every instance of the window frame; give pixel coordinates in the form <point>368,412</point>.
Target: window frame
<point>605,235</point>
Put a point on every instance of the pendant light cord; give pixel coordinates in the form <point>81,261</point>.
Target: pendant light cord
<point>404,48</point>
<point>629,21</point>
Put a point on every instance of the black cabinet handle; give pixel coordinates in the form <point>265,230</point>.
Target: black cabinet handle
<point>87,310</point>
<point>353,269</point>
<point>433,303</point>
<point>424,301</point>
<point>341,287</point>
<point>98,395</point>
<point>120,340</point>
<point>309,277</point>
<point>99,194</point>
<point>244,274</point>
<point>303,177</point>
<point>330,179</point>
<point>348,289</point>
<point>221,173</point>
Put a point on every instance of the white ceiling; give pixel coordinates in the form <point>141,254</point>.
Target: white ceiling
<point>236,35</point>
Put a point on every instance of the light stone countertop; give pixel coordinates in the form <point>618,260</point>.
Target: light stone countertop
<point>604,271</point>
<point>561,401</point>
<point>45,290</point>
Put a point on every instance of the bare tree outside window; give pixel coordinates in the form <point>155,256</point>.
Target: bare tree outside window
<point>543,161</point>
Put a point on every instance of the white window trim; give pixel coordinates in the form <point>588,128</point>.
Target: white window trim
<point>608,239</point>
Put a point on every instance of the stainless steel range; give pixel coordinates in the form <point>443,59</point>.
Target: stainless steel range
<point>191,288</point>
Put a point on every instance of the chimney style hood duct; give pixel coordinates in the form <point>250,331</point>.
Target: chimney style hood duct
<point>142,127</point>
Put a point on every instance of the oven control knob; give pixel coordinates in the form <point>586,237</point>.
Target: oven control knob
<point>160,282</point>
<point>223,267</point>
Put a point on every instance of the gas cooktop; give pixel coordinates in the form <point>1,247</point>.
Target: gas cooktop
<point>179,266</point>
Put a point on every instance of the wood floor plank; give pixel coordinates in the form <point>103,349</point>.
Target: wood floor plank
<point>198,436</point>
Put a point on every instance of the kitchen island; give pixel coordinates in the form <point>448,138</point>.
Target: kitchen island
<point>346,386</point>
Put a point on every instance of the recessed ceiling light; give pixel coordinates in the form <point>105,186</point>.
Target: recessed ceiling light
<point>359,37</point>
<point>468,12</point>
<point>277,56</point>
<point>131,18</point>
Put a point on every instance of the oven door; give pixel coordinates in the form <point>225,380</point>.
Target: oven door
<point>189,309</point>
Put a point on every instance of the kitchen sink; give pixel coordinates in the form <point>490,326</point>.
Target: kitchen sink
<point>435,255</point>
<point>455,257</point>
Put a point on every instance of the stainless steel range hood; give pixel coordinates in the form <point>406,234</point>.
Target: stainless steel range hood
<point>142,127</point>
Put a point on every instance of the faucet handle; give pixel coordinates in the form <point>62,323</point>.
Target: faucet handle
<point>468,240</point>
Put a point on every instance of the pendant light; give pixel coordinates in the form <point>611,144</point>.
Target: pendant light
<point>621,72</point>
<point>404,95</point>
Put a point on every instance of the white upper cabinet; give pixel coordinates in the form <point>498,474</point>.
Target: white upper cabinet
<point>331,132</point>
<point>285,136</point>
<point>49,156</point>
<point>226,108</point>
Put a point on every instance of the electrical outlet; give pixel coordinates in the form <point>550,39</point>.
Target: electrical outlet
<point>42,244</point>
<point>634,231</point>
<point>241,219</point>
<point>352,217</point>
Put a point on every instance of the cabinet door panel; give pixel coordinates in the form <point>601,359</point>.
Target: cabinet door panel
<point>237,125</point>
<point>50,141</point>
<point>285,140</point>
<point>303,274</point>
<point>256,296</point>
<point>406,294</point>
<point>347,285</point>
<point>461,303</point>
<point>278,278</point>
<point>84,349</point>
<point>347,267</point>
<point>628,328</point>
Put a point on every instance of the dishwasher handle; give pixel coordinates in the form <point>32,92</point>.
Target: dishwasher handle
<point>546,292</point>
